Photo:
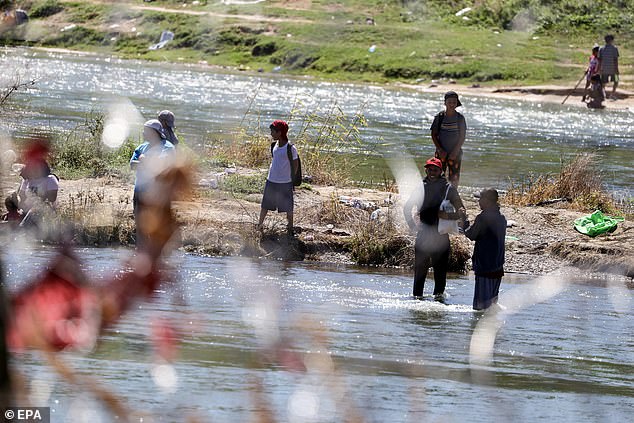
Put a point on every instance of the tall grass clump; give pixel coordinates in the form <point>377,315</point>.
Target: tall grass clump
<point>98,220</point>
<point>579,182</point>
<point>379,243</point>
<point>321,138</point>
<point>80,153</point>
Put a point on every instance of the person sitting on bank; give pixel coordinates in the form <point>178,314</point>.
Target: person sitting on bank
<point>489,233</point>
<point>432,247</point>
<point>37,194</point>
<point>278,189</point>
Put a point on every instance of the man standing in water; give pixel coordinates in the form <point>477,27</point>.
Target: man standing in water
<point>432,246</point>
<point>278,190</point>
<point>609,64</point>
<point>448,132</point>
<point>488,231</point>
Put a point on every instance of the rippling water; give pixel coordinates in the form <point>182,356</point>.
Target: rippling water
<point>567,359</point>
<point>506,138</point>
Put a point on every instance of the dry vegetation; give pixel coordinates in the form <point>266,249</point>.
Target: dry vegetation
<point>579,183</point>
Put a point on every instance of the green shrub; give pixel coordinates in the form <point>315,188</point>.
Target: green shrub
<point>45,8</point>
<point>244,184</point>
<point>80,152</point>
<point>78,36</point>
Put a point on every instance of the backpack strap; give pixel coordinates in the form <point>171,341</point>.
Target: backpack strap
<point>441,117</point>
<point>289,153</point>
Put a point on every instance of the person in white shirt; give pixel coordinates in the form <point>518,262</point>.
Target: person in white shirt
<point>278,190</point>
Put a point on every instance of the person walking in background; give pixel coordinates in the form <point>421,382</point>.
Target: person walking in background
<point>148,160</point>
<point>448,132</point>
<point>489,232</point>
<point>609,64</point>
<point>278,190</point>
<point>431,247</point>
<point>593,69</point>
<point>167,122</point>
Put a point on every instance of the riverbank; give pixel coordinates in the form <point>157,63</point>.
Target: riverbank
<point>350,41</point>
<point>216,222</point>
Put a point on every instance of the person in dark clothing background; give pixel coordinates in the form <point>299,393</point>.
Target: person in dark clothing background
<point>488,231</point>
<point>432,247</point>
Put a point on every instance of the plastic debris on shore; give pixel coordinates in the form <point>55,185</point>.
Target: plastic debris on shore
<point>463,11</point>
<point>596,224</point>
<point>166,37</point>
<point>357,203</point>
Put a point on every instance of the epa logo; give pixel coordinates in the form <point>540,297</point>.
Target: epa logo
<point>31,414</point>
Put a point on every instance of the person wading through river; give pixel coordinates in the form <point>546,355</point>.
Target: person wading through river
<point>489,232</point>
<point>448,132</point>
<point>432,247</point>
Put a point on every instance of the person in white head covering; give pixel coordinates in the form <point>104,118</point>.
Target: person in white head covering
<point>148,160</point>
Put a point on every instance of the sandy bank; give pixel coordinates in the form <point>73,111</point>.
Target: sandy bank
<point>215,222</point>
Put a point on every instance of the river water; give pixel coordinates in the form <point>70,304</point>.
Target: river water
<point>506,138</point>
<point>565,356</point>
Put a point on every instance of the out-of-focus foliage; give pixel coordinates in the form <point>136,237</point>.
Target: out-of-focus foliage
<point>543,16</point>
<point>45,8</point>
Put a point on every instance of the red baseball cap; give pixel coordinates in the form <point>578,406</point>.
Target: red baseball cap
<point>281,126</point>
<point>434,162</point>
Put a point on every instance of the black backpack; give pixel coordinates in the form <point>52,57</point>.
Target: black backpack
<point>297,177</point>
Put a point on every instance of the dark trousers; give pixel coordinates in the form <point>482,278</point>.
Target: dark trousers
<point>486,292</point>
<point>431,249</point>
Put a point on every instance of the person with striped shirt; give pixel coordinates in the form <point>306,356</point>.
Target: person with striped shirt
<point>448,132</point>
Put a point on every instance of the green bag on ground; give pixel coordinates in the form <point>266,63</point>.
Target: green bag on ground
<point>596,223</point>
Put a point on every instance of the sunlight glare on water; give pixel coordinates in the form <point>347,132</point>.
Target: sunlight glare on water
<point>348,340</point>
<point>505,138</point>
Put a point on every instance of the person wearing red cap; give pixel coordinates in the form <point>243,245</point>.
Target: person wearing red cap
<point>278,190</point>
<point>432,247</point>
<point>448,132</point>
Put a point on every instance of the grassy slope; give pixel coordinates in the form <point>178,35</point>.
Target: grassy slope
<point>314,38</point>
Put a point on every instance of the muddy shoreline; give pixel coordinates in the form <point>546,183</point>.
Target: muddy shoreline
<point>215,222</point>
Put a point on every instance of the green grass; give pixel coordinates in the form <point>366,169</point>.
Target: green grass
<point>414,40</point>
<point>79,153</point>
